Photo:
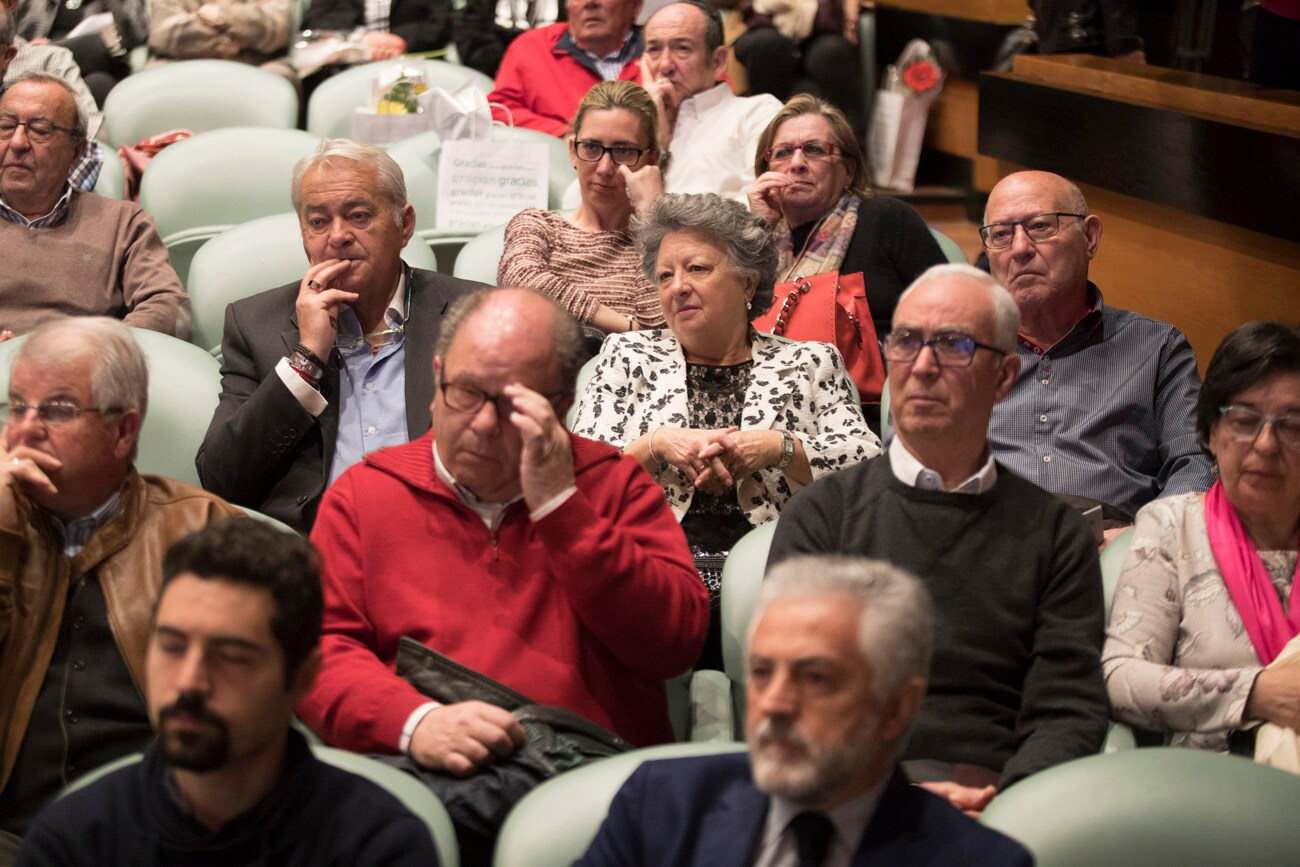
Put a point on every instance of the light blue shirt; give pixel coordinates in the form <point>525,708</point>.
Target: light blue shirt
<point>372,393</point>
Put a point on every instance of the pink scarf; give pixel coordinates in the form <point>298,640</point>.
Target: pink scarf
<point>1247,580</point>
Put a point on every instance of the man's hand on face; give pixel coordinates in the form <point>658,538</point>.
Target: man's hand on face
<point>666,99</point>
<point>546,459</point>
<point>318,305</point>
<point>27,469</point>
<point>461,738</point>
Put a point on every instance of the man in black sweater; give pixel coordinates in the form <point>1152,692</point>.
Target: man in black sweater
<point>228,781</point>
<point>1016,682</point>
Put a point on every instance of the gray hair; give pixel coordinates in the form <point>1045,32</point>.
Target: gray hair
<point>567,343</point>
<point>1006,313</point>
<point>8,27</point>
<point>392,183</point>
<point>38,77</point>
<point>748,238</point>
<point>119,375</point>
<point>713,37</point>
<point>895,615</point>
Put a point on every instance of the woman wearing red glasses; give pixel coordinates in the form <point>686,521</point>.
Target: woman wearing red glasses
<point>812,189</point>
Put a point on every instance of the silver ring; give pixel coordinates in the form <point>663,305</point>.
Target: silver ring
<point>312,284</point>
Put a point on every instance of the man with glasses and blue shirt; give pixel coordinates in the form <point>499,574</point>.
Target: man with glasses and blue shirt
<point>320,372</point>
<point>547,562</point>
<point>67,252</point>
<point>81,536</point>
<point>1104,405</point>
<point>1015,684</point>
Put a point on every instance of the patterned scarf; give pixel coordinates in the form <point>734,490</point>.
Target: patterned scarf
<point>826,245</point>
<point>1247,579</point>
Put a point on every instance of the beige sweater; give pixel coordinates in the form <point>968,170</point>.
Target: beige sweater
<point>104,259</point>
<point>255,30</point>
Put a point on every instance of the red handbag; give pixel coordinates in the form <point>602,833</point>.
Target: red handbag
<point>831,308</point>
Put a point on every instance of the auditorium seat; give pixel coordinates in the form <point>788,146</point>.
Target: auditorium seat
<point>1156,806</point>
<point>1112,561</point>
<point>330,108</point>
<point>198,188</point>
<point>253,257</point>
<point>951,250</point>
<point>742,576</point>
<point>479,258</point>
<point>198,95</point>
<point>184,382</point>
<point>555,823</point>
<point>413,794</point>
<point>112,177</point>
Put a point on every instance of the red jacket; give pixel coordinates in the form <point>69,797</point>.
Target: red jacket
<point>542,84</point>
<point>590,608</point>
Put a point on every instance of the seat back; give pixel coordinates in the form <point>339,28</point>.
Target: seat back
<point>111,183</point>
<point>198,95</point>
<point>332,104</point>
<point>950,249</point>
<point>198,188</point>
<point>414,795</point>
<point>253,257</point>
<point>742,576</point>
<point>1154,806</point>
<point>1112,562</point>
<point>556,822</point>
<point>480,257</point>
<point>184,383</point>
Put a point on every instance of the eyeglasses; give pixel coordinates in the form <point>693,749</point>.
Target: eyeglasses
<point>1039,227</point>
<point>468,399</point>
<point>53,413</point>
<point>1243,424</point>
<point>951,348</point>
<point>813,151</point>
<point>594,151</point>
<point>39,131</point>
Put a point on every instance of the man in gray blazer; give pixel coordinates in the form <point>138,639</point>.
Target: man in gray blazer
<point>321,372</point>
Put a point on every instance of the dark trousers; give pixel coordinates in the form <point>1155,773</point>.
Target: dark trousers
<point>1275,51</point>
<point>100,70</point>
<point>825,64</point>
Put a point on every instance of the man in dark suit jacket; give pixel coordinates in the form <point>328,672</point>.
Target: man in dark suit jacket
<point>836,671</point>
<point>318,373</point>
<point>411,25</point>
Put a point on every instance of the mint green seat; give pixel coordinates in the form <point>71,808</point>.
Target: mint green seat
<point>330,109</point>
<point>479,258</point>
<point>413,794</point>
<point>198,188</point>
<point>198,95</point>
<point>184,382</point>
<point>253,257</point>
<point>1155,807</point>
<point>950,249</point>
<point>1112,563</point>
<point>742,577</point>
<point>112,177</point>
<point>556,822</point>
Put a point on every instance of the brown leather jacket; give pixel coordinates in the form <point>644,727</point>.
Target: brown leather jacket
<point>35,577</point>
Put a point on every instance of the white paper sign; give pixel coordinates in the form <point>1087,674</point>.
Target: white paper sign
<point>483,184</point>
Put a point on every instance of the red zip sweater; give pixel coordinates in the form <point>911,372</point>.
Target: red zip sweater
<point>590,608</point>
<point>542,85</point>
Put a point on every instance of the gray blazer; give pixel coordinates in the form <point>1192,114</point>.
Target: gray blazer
<point>262,449</point>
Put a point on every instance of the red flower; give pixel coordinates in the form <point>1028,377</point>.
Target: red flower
<point>921,76</point>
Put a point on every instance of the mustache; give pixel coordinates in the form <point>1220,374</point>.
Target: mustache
<point>191,705</point>
<point>777,730</point>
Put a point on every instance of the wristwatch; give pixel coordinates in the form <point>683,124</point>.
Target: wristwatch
<point>787,450</point>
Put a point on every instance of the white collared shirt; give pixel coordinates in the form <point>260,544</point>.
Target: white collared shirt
<point>911,472</point>
<point>779,848</point>
<point>714,142</point>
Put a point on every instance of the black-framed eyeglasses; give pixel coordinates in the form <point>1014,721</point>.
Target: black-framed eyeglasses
<point>813,151</point>
<point>623,155</point>
<point>1243,424</point>
<point>468,399</point>
<point>1039,227</point>
<point>39,130</point>
<point>51,413</point>
<point>951,348</point>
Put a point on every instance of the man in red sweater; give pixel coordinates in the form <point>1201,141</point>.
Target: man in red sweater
<point>547,71</point>
<point>545,561</point>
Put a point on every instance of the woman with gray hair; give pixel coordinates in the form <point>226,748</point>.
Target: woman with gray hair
<point>728,420</point>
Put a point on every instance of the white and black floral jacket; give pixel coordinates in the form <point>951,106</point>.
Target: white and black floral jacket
<point>640,383</point>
